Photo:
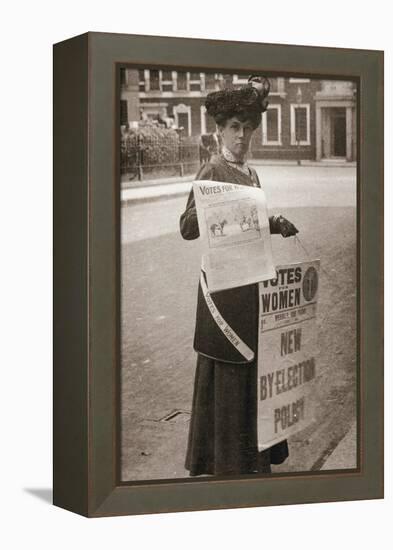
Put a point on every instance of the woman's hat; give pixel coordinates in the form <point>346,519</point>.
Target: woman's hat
<point>249,99</point>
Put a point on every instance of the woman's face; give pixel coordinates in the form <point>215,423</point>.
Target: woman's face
<point>236,136</point>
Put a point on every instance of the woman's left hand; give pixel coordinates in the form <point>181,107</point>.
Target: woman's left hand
<point>285,227</point>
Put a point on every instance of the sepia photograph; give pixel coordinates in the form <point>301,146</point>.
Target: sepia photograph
<point>238,274</point>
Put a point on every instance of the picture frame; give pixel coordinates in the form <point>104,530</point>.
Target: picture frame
<point>87,263</point>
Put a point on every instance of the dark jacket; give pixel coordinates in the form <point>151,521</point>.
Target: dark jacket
<point>238,306</point>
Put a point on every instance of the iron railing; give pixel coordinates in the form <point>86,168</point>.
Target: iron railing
<point>153,157</point>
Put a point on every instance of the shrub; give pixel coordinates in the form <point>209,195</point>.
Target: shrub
<point>158,146</point>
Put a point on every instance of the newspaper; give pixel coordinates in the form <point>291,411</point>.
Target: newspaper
<point>287,352</point>
<point>234,229</point>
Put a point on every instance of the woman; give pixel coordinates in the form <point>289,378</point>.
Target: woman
<point>223,428</point>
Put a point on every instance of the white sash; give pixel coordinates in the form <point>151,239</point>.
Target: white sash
<point>230,334</point>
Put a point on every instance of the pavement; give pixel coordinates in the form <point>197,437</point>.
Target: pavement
<point>151,192</point>
<point>156,189</point>
<point>344,453</point>
<point>157,331</point>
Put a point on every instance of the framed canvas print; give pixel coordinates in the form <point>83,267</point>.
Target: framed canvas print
<point>218,264</point>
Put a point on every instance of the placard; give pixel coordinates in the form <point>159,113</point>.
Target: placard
<point>287,350</point>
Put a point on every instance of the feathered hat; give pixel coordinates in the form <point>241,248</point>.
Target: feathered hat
<point>248,99</point>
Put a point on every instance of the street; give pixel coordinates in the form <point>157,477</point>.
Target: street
<point>159,282</point>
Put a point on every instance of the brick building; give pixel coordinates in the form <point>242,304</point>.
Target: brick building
<point>307,118</point>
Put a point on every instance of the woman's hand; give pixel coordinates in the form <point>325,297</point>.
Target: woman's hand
<point>284,226</point>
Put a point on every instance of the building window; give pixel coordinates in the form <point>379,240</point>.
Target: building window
<point>166,81</point>
<point>167,76</point>
<point>210,81</point>
<point>142,85</point>
<point>154,80</point>
<point>181,81</point>
<point>195,82</point>
<point>182,114</point>
<point>271,126</point>
<point>300,124</point>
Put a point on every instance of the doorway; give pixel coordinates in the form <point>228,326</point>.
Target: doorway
<point>338,134</point>
<point>183,123</point>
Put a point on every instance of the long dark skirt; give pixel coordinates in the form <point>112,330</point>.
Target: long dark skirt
<point>223,427</point>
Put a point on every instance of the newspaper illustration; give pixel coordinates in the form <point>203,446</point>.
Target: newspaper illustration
<point>234,228</point>
<point>287,352</point>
